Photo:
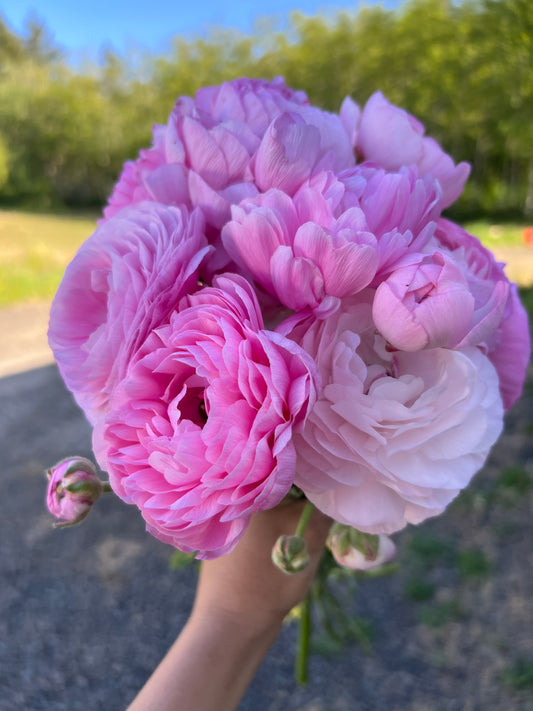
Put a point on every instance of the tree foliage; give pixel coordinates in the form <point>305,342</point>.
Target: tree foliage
<point>465,69</point>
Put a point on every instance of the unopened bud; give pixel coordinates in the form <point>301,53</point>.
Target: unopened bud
<point>290,554</point>
<point>73,487</point>
<point>357,550</point>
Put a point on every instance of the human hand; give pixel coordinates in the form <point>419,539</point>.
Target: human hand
<point>247,584</point>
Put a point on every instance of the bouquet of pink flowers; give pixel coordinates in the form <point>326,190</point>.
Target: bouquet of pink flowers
<point>274,300</point>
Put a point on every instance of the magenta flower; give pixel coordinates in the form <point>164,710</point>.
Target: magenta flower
<point>424,303</point>
<point>200,431</point>
<point>73,487</point>
<point>393,436</point>
<point>393,138</point>
<point>124,281</point>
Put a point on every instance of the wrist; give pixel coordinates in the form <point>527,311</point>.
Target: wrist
<point>249,623</point>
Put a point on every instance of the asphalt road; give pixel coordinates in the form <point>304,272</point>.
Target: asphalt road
<point>87,612</point>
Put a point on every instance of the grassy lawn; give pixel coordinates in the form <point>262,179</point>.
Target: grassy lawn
<point>497,235</point>
<point>35,249</point>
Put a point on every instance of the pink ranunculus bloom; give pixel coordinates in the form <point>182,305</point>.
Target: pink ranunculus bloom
<point>393,138</point>
<point>500,322</point>
<point>149,177</point>
<point>299,145</point>
<point>393,436</point>
<point>73,487</point>
<point>424,303</point>
<point>249,135</point>
<point>400,208</point>
<point>200,434</point>
<point>228,143</point>
<point>359,551</point>
<point>299,251</point>
<point>350,115</point>
<point>124,281</point>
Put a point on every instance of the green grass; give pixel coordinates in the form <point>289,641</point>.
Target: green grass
<point>519,676</point>
<point>430,550</point>
<point>419,590</point>
<point>34,251</point>
<point>441,613</point>
<point>473,563</point>
<point>497,235</point>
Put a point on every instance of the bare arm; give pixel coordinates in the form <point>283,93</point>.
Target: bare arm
<point>240,604</point>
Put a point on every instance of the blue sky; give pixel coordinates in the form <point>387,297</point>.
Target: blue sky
<point>86,25</point>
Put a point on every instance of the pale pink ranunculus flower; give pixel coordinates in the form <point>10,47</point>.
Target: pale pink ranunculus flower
<point>393,138</point>
<point>393,436</point>
<point>73,487</point>
<point>299,251</point>
<point>424,303</point>
<point>500,322</point>
<point>124,281</point>
<point>200,434</point>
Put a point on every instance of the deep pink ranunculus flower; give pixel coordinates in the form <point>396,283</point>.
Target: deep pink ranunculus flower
<point>200,433</point>
<point>393,436</point>
<point>393,138</point>
<point>500,323</point>
<point>124,281</point>
<point>299,251</point>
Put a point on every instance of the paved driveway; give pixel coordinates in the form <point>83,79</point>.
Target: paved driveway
<point>86,613</point>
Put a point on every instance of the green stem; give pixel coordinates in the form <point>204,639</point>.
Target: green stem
<point>304,519</point>
<point>304,636</point>
<point>106,487</point>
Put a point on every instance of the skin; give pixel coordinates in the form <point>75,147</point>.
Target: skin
<point>241,601</point>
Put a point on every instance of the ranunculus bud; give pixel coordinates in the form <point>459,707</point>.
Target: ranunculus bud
<point>360,551</point>
<point>73,487</point>
<point>290,554</point>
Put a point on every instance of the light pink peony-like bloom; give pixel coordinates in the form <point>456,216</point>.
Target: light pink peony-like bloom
<point>124,281</point>
<point>393,138</point>
<point>73,487</point>
<point>200,434</point>
<point>393,436</point>
<point>299,251</point>
<point>424,303</point>
<point>500,323</point>
<point>359,551</point>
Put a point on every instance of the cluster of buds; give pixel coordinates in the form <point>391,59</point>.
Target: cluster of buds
<point>73,487</point>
